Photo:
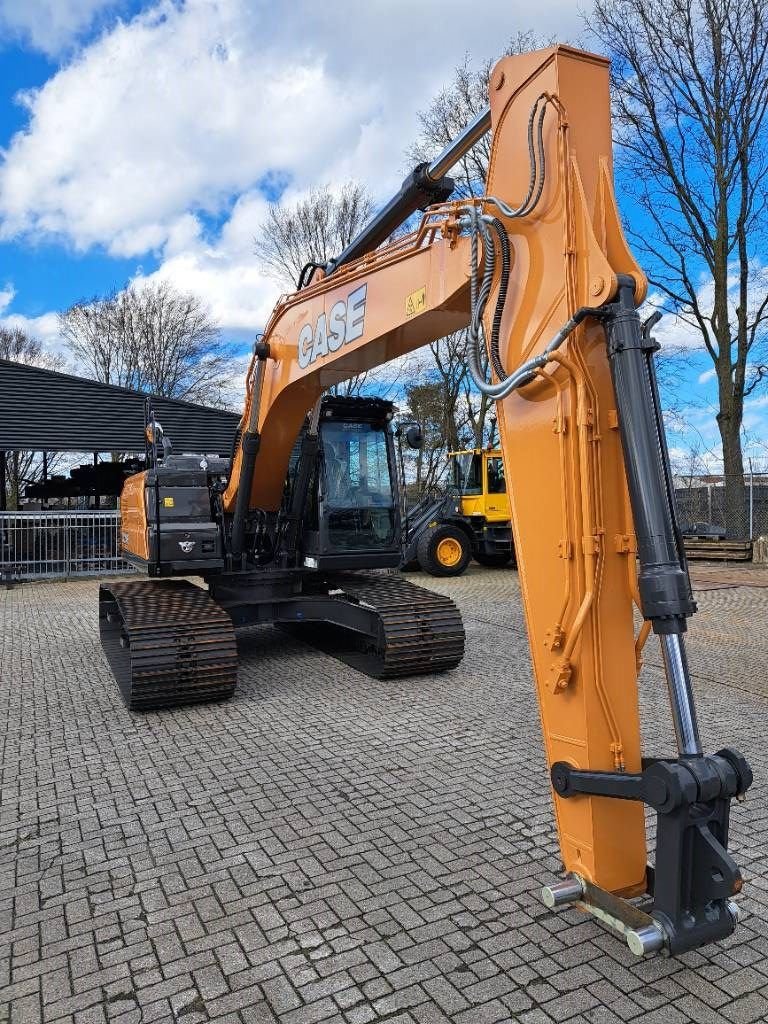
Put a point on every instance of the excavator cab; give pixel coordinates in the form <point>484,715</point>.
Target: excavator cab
<point>353,514</point>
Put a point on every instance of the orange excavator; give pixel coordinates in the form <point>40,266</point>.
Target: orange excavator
<point>538,270</point>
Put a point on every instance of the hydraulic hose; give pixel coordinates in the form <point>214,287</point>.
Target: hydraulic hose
<point>479,293</point>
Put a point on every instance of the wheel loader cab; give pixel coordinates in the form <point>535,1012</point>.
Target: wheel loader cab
<point>354,518</point>
<point>478,475</point>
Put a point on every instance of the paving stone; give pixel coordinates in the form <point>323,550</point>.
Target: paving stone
<point>742,982</point>
<point>664,1015</point>
<point>747,1009</point>
<point>280,994</point>
<point>326,848</point>
<point>489,1013</point>
<point>448,998</point>
<point>429,1013</point>
<point>695,1010</point>
<point>570,1004</point>
<point>399,1000</point>
<point>360,1014</point>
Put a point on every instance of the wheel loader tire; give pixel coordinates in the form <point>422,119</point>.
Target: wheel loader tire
<point>444,551</point>
<point>495,560</point>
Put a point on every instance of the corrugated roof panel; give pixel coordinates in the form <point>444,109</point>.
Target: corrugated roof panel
<point>41,410</point>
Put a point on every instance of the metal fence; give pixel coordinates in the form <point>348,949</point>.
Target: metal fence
<point>705,504</point>
<point>59,545</point>
<point>49,545</point>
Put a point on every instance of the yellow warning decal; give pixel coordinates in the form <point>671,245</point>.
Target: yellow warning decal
<point>168,502</point>
<point>416,302</point>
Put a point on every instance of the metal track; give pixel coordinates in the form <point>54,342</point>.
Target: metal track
<point>419,631</point>
<point>168,643</point>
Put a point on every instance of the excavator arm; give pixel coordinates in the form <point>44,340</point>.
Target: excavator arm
<point>539,271</point>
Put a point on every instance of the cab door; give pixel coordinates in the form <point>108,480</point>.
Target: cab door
<point>495,488</point>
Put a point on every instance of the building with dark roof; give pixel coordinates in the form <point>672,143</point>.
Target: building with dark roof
<point>46,411</point>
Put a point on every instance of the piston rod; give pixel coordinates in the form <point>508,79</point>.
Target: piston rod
<point>680,695</point>
<point>460,146</point>
<point>663,581</point>
<point>559,894</point>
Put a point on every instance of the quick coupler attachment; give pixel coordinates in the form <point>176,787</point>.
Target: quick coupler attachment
<point>690,890</point>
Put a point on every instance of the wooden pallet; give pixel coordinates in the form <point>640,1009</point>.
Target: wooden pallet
<point>711,550</point>
<point>719,576</point>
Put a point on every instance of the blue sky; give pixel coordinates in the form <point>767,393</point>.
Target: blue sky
<point>46,276</point>
<point>147,138</point>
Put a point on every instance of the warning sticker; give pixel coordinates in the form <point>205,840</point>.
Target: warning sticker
<point>416,302</point>
<point>168,502</point>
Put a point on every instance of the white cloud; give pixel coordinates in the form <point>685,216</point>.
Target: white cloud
<point>683,332</point>
<point>707,376</point>
<point>44,327</point>
<point>49,25</point>
<point>694,461</point>
<point>673,332</point>
<point>176,110</point>
<point>176,120</point>
<point>225,274</point>
<point>189,104</point>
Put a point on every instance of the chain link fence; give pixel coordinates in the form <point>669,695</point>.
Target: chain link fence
<point>59,545</point>
<point>719,507</point>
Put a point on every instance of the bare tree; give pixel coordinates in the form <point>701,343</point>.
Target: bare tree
<point>425,405</point>
<point>25,467</point>
<point>446,423</point>
<point>152,338</point>
<point>93,331</point>
<point>451,110</point>
<point>690,81</point>
<point>20,347</point>
<point>315,228</point>
<point>450,376</point>
<point>689,465</point>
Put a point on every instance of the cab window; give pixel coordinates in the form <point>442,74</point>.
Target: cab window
<point>467,473</point>
<point>496,482</point>
<point>357,485</point>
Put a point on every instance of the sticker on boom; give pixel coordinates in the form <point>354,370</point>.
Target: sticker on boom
<point>344,323</point>
<point>416,302</point>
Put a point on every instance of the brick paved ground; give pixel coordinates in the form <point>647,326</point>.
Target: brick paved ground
<point>328,848</point>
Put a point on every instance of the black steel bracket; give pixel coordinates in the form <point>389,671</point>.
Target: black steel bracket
<point>694,876</point>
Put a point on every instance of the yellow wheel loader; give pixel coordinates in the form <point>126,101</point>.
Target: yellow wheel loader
<point>470,520</point>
